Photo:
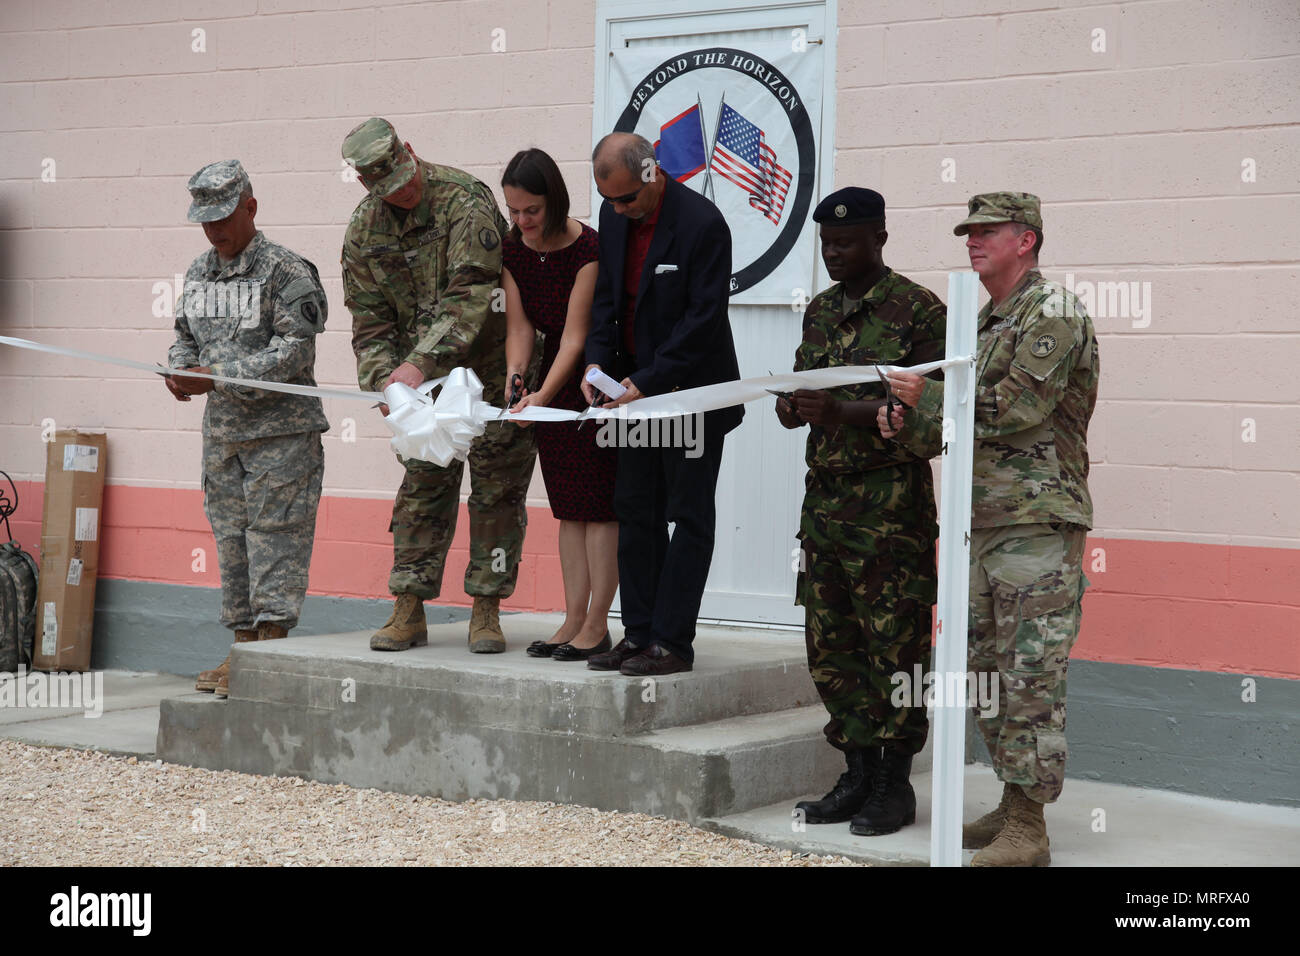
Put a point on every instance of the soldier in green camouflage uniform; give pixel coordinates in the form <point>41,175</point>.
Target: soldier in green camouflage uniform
<point>421,268</point>
<point>250,308</point>
<point>868,526</point>
<point>1036,387</point>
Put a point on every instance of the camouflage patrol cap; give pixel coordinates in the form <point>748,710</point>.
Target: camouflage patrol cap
<point>1001,207</point>
<point>375,152</point>
<point>215,190</point>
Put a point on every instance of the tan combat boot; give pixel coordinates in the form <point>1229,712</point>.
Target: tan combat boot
<point>485,635</point>
<point>404,628</point>
<point>271,632</point>
<point>982,832</point>
<point>1023,841</point>
<point>207,680</point>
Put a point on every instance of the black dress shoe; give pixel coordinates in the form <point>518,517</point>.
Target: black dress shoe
<point>542,649</point>
<point>567,652</point>
<point>657,661</point>
<point>613,659</point>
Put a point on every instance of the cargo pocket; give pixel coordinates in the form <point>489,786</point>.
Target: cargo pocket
<point>1047,624</point>
<point>1039,620</point>
<point>281,499</point>
<point>1052,747</point>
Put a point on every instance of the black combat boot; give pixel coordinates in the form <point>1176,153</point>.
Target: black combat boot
<point>850,791</point>
<point>891,804</point>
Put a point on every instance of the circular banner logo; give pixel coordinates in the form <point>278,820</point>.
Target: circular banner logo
<point>733,126</point>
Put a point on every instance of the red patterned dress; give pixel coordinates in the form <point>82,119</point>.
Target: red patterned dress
<point>579,474</point>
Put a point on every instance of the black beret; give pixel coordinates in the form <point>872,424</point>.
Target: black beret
<point>850,207</point>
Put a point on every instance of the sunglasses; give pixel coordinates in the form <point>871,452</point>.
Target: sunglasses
<point>623,200</point>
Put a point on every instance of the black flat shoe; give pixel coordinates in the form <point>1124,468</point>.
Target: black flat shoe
<point>542,649</point>
<point>567,652</point>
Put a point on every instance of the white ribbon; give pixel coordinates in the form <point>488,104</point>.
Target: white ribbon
<point>440,429</point>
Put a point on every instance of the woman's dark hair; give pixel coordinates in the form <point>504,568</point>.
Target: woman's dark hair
<point>535,172</point>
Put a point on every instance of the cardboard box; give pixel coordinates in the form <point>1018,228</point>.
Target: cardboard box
<point>70,528</point>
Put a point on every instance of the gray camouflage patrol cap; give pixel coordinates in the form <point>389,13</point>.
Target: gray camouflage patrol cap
<point>1001,207</point>
<point>375,152</point>
<point>215,190</point>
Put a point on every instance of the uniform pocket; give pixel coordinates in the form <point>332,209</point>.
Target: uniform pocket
<point>1041,618</point>
<point>284,495</point>
<point>1052,746</point>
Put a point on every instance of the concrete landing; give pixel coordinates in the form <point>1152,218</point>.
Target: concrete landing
<point>1141,828</point>
<point>742,730</point>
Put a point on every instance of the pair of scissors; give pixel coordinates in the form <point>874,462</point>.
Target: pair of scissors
<point>890,401</point>
<point>601,399</point>
<point>516,393</point>
<point>771,391</point>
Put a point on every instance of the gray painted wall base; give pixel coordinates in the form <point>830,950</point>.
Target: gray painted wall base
<point>1181,730</point>
<point>742,730</point>
<point>170,629</point>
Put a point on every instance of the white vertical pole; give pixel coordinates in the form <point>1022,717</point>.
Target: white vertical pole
<point>949,718</point>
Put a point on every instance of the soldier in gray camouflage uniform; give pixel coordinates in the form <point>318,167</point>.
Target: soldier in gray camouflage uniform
<point>421,267</point>
<point>1036,387</point>
<point>252,309</point>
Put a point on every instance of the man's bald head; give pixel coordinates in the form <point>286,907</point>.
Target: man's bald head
<point>622,150</point>
<point>627,176</point>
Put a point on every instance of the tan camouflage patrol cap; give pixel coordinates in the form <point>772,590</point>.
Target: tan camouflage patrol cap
<point>215,190</point>
<point>1001,207</point>
<point>374,151</point>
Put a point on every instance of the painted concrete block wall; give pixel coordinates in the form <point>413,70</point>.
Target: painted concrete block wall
<point>1162,139</point>
<point>1161,135</point>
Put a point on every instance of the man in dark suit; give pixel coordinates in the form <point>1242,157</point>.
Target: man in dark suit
<point>659,323</point>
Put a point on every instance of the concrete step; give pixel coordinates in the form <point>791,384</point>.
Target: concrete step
<point>742,730</point>
<point>684,773</point>
<point>735,674</point>
<point>1092,824</point>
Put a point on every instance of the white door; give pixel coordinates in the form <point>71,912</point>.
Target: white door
<point>761,485</point>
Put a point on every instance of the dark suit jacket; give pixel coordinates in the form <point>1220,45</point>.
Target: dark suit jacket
<point>683,336</point>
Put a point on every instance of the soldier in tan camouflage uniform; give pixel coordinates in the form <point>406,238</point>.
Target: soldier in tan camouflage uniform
<point>421,267</point>
<point>1036,387</point>
<point>868,526</point>
<point>252,309</point>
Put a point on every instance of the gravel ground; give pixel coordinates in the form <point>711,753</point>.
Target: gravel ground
<point>81,808</point>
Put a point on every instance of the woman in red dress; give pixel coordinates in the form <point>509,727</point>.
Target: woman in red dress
<point>549,277</point>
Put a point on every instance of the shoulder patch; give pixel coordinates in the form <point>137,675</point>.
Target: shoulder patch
<point>1043,346</point>
<point>488,238</point>
<point>299,288</point>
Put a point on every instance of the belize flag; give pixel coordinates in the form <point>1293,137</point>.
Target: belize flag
<point>680,147</point>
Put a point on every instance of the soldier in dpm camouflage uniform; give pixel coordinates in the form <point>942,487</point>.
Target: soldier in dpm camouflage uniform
<point>252,309</point>
<point>868,526</point>
<point>1036,387</point>
<point>421,263</point>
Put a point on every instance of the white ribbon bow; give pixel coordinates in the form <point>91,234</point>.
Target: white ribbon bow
<point>437,430</point>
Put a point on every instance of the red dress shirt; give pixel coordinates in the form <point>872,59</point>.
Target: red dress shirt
<point>639,235</point>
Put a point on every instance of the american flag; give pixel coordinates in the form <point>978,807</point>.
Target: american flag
<point>742,156</point>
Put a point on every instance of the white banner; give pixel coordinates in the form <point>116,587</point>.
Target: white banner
<point>739,126</point>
